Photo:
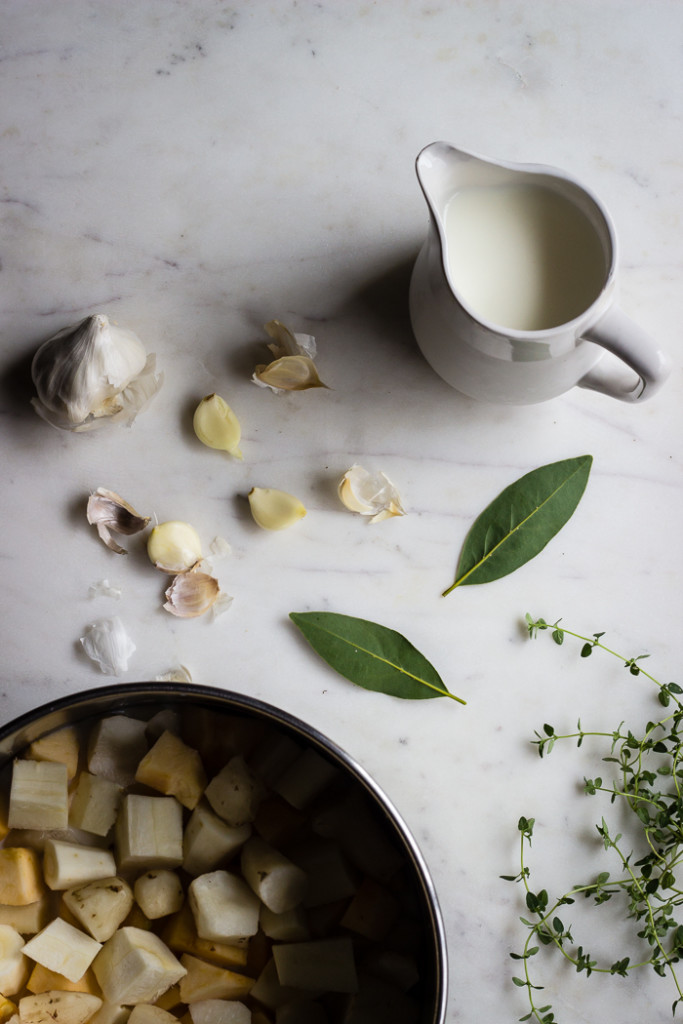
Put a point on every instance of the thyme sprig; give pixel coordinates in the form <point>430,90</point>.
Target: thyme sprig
<point>647,778</point>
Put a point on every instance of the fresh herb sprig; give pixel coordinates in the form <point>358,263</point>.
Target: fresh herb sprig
<point>647,778</point>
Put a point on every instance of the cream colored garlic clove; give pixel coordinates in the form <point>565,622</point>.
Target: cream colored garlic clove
<point>110,513</point>
<point>274,510</point>
<point>216,425</point>
<point>191,594</point>
<point>91,373</point>
<point>293,368</point>
<point>369,494</point>
<point>174,547</point>
<point>107,642</point>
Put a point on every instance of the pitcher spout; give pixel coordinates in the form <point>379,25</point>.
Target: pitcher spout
<point>442,170</point>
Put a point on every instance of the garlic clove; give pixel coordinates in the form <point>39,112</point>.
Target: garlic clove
<point>174,547</point>
<point>91,373</point>
<point>287,343</point>
<point>108,643</point>
<point>110,513</point>
<point>216,425</point>
<point>191,594</point>
<point>274,510</point>
<point>369,494</point>
<point>288,373</point>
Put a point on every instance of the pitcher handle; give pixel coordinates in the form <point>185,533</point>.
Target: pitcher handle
<point>619,334</point>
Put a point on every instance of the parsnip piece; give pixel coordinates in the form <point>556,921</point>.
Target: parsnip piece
<point>372,911</point>
<point>135,966</point>
<point>14,967</point>
<point>180,935</point>
<point>329,875</point>
<point>39,795</point>
<point>100,906</point>
<point>116,746</point>
<point>64,1007</point>
<point>68,864</point>
<point>326,965</point>
<point>269,991</point>
<point>290,926</point>
<point>64,949</point>
<point>61,745</point>
<point>164,721</point>
<point>207,981</point>
<point>393,966</point>
<point>173,768</point>
<point>305,779</point>
<point>277,821</point>
<point>159,893</point>
<point>277,882</point>
<point>28,919</point>
<point>21,879</point>
<point>42,979</point>
<point>235,792</point>
<point>109,1014</point>
<point>149,832</point>
<point>7,1009</point>
<point>272,756</point>
<point>208,840</point>
<point>143,1013</point>
<point>355,825</point>
<point>224,907</point>
<point>219,1011</point>
<point>95,804</point>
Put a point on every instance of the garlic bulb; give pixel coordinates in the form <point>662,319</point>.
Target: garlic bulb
<point>216,425</point>
<point>110,513</point>
<point>108,643</point>
<point>92,373</point>
<point>174,547</point>
<point>274,510</point>
<point>369,494</point>
<point>293,368</point>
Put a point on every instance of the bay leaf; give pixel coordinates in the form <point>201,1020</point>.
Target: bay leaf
<point>372,656</point>
<point>518,524</point>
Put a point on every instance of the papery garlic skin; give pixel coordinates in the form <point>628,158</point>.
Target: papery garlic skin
<point>191,594</point>
<point>217,426</point>
<point>92,373</point>
<point>293,368</point>
<point>107,642</point>
<point>369,494</point>
<point>110,513</point>
<point>273,509</point>
<point>174,547</point>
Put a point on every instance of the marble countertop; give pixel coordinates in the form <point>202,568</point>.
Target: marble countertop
<point>196,168</point>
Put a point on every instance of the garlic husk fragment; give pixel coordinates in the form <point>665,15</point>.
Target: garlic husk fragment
<point>273,509</point>
<point>103,588</point>
<point>191,594</point>
<point>216,425</point>
<point>174,547</point>
<point>110,513</point>
<point>369,494</point>
<point>293,368</point>
<point>181,674</point>
<point>91,373</point>
<point>107,642</point>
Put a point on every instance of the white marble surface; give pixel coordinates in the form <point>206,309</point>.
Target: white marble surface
<point>197,168</point>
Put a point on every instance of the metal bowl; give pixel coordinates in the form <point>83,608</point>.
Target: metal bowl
<point>205,710</point>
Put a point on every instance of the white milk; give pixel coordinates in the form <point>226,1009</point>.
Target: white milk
<point>522,256</point>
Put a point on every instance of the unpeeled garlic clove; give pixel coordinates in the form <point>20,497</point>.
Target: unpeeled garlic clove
<point>174,547</point>
<point>191,594</point>
<point>369,494</point>
<point>293,368</point>
<point>107,642</point>
<point>274,510</point>
<point>216,425</point>
<point>110,513</point>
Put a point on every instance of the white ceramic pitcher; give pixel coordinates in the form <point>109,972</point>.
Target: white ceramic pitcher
<point>495,362</point>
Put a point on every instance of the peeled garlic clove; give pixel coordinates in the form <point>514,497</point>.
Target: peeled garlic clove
<point>109,512</point>
<point>174,547</point>
<point>191,594</point>
<point>216,425</point>
<point>274,510</point>
<point>369,494</point>
<point>91,373</point>
<point>108,643</point>
<point>289,373</point>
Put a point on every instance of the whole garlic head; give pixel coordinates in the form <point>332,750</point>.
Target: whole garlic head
<point>92,373</point>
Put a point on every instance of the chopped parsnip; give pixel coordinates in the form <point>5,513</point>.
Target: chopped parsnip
<point>174,769</point>
<point>65,1007</point>
<point>68,864</point>
<point>224,907</point>
<point>100,906</point>
<point>62,746</point>
<point>64,949</point>
<point>95,804</point>
<point>207,981</point>
<point>149,832</point>
<point>159,893</point>
<point>21,879</point>
<point>135,966</point>
<point>39,795</point>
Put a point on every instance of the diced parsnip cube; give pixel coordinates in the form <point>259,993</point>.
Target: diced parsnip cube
<point>219,1011</point>
<point>224,907</point>
<point>159,893</point>
<point>28,919</point>
<point>277,882</point>
<point>301,1011</point>
<point>55,1006</point>
<point>116,746</point>
<point>372,911</point>
<point>324,920</point>
<point>144,1013</point>
<point>207,981</point>
<point>149,832</point>
<point>325,965</point>
<point>14,967</point>
<point>7,1009</point>
<point>209,841</point>
<point>64,949</point>
<point>277,821</point>
<point>164,721</point>
<point>21,878</point>
<point>68,864</point>
<point>305,779</point>
<point>355,825</point>
<point>39,795</point>
<point>180,935</point>
<point>269,991</point>
<point>42,979</point>
<point>174,769</point>
<point>329,874</point>
<point>393,966</point>
<point>235,792</point>
<point>61,745</point>
<point>135,966</point>
<point>289,926</point>
<point>220,737</point>
<point>380,1003</point>
<point>272,755</point>
<point>95,804</point>
<point>100,906</point>
<point>110,1014</point>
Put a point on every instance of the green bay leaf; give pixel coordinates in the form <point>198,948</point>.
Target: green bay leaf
<point>518,524</point>
<point>372,656</point>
